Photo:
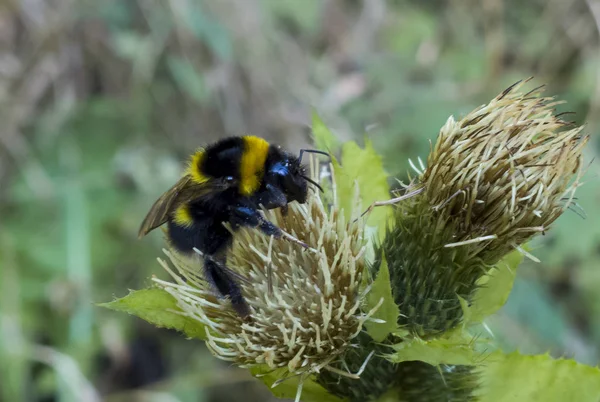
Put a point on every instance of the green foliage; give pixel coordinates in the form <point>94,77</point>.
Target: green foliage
<point>388,311</point>
<point>453,347</point>
<point>362,168</point>
<point>158,308</point>
<point>358,167</point>
<point>519,378</point>
<point>493,289</point>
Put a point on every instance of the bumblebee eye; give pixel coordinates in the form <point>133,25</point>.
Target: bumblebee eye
<point>280,169</point>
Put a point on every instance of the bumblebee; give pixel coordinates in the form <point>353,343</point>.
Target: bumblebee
<point>228,182</point>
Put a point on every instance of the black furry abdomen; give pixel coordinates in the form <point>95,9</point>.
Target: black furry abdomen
<point>207,234</point>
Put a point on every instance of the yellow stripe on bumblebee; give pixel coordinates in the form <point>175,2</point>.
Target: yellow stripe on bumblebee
<point>252,165</point>
<point>195,167</point>
<point>183,216</point>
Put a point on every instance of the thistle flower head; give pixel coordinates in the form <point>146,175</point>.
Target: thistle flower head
<point>305,303</point>
<point>504,172</point>
<point>495,178</point>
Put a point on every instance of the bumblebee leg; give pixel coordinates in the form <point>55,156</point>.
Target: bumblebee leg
<point>226,286</point>
<point>246,216</point>
<point>235,275</point>
<point>284,210</point>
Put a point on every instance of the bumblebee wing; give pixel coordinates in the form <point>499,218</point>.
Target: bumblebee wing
<point>159,212</point>
<point>185,190</point>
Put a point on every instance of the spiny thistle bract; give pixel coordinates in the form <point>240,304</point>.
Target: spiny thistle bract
<point>500,175</point>
<point>422,382</point>
<point>375,379</point>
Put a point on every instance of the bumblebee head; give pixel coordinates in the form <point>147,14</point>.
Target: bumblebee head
<point>288,174</point>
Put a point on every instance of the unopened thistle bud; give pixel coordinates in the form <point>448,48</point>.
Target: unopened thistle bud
<point>495,178</point>
<point>305,303</point>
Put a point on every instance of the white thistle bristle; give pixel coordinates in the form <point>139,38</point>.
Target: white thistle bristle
<point>305,304</point>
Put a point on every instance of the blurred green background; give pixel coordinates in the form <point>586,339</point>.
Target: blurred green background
<point>102,101</point>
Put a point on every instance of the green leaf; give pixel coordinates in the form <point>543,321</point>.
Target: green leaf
<point>388,311</point>
<point>159,308</point>
<point>324,139</point>
<point>362,167</point>
<point>515,378</point>
<point>311,391</point>
<point>454,347</point>
<point>494,288</point>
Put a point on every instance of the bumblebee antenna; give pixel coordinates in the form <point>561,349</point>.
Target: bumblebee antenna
<point>308,179</point>
<point>312,151</point>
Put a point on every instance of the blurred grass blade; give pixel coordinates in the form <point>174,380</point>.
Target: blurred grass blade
<point>188,80</point>
<point>79,266</point>
<point>12,341</point>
